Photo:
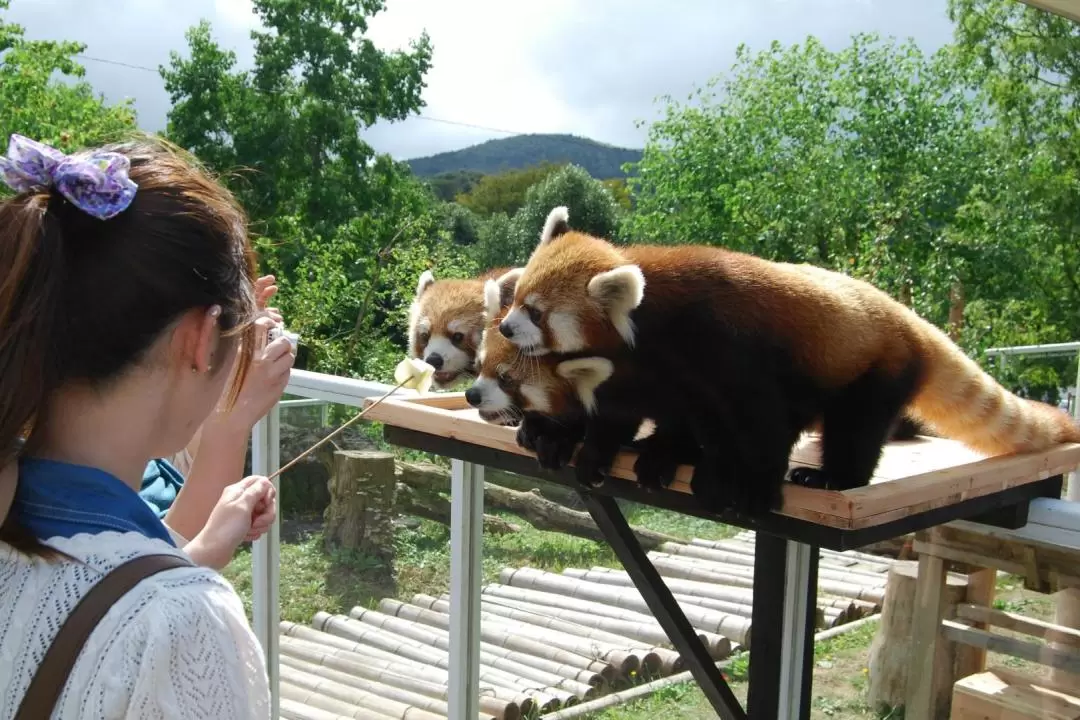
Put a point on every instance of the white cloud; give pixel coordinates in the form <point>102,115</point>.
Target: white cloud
<point>588,67</point>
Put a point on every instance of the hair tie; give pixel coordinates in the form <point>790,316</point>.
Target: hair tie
<point>96,182</point>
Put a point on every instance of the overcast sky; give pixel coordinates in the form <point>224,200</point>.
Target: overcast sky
<point>589,67</point>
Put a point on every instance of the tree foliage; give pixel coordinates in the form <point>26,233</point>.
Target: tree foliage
<point>287,134</point>
<point>34,102</point>
<point>508,241</point>
<point>504,192</point>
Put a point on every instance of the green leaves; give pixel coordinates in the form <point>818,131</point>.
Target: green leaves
<point>64,113</point>
<point>287,136</point>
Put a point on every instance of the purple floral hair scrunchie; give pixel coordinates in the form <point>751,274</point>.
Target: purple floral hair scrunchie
<point>96,182</point>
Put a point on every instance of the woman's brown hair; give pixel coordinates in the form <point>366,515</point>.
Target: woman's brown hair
<point>83,299</point>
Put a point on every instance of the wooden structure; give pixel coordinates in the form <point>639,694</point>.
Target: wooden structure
<point>1045,552</point>
<point>1066,8</point>
<point>919,484</point>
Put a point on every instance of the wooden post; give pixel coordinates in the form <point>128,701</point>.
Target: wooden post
<point>1067,615</point>
<point>981,585</point>
<point>361,511</point>
<point>894,643</point>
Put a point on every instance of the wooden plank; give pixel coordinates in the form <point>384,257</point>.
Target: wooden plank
<point>912,477</point>
<point>987,696</point>
<point>1063,659</point>
<point>981,586</point>
<point>1045,567</point>
<point>925,627</point>
<point>1012,621</point>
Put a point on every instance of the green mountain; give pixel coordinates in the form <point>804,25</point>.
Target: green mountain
<point>521,151</point>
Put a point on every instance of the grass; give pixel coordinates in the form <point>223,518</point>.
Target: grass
<point>313,579</point>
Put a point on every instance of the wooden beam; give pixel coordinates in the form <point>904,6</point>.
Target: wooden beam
<point>1019,623</point>
<point>1065,8</point>
<point>1033,652</point>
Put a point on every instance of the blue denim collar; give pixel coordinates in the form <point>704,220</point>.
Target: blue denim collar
<point>58,499</point>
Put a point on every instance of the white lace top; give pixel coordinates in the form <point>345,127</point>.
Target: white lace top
<point>178,645</point>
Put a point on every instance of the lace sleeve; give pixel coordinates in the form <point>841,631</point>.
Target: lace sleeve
<point>188,655</point>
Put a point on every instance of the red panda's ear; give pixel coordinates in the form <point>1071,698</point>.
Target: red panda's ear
<point>586,374</point>
<point>499,293</point>
<point>507,284</point>
<point>556,225</point>
<point>620,290</point>
<point>427,279</point>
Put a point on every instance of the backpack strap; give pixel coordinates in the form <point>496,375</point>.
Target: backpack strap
<point>52,674</point>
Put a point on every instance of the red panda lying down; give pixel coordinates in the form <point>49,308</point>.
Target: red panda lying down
<point>446,324</point>
<point>749,353</point>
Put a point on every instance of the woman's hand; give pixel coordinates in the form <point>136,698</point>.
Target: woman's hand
<point>244,512</point>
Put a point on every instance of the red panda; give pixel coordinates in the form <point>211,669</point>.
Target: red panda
<point>784,345</point>
<point>555,399</point>
<point>446,324</point>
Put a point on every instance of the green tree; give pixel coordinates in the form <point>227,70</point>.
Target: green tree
<point>506,241</point>
<point>34,102</point>
<point>503,192</point>
<point>287,135</point>
<point>860,160</point>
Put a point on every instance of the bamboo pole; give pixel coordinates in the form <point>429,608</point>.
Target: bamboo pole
<point>292,710</point>
<point>548,698</point>
<point>339,680</point>
<point>869,559</point>
<point>560,633</point>
<point>352,695</point>
<point>316,700</point>
<point>733,557</point>
<point>417,623</point>
<point>831,560</point>
<point>733,626</point>
<point>708,569</point>
<point>642,691</point>
<point>501,703</point>
<point>623,622</point>
<point>736,601</point>
<point>669,660</point>
<point>380,639</point>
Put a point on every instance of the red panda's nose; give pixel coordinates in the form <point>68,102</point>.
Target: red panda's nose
<point>506,330</point>
<point>435,360</point>
<point>473,396</point>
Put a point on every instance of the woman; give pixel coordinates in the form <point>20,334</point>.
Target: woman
<point>126,293</point>
<point>184,504</point>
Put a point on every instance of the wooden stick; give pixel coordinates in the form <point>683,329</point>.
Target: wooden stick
<point>356,417</point>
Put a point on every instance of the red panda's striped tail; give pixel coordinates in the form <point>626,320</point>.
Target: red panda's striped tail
<point>964,403</point>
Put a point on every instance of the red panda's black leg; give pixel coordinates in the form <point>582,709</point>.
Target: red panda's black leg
<point>604,438</point>
<point>858,423</point>
<point>660,455</point>
<point>552,439</point>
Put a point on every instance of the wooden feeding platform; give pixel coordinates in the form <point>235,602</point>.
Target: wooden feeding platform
<point>918,484</point>
<point>913,476</point>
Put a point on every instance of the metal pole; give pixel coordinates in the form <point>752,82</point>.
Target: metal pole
<point>466,539</point>
<point>265,554</point>
<point>797,640</point>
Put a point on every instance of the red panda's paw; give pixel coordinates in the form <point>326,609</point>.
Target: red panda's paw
<point>554,452</point>
<point>654,470</point>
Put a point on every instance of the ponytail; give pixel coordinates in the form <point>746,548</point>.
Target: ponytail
<point>31,280</point>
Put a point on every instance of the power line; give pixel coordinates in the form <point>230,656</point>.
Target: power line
<point>421,116</point>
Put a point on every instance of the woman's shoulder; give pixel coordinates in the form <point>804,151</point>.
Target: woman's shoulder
<point>183,627</point>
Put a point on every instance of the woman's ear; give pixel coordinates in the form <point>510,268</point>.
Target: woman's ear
<point>196,338</point>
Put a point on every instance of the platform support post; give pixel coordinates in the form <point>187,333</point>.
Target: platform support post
<point>609,518</point>
<point>265,555</point>
<point>466,540</point>
<point>782,645</point>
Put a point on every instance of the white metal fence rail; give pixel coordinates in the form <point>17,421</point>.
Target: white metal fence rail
<point>466,528</point>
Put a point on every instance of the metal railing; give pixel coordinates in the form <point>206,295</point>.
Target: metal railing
<point>466,527</point>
